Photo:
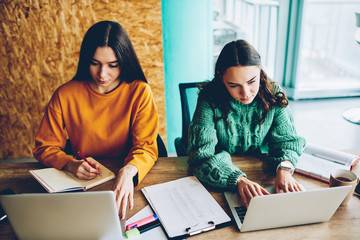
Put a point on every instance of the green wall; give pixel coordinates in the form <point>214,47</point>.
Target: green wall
<point>188,41</point>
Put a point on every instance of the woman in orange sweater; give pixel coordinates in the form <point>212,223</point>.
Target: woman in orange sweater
<point>108,112</point>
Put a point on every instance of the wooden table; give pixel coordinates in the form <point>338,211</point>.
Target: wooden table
<point>345,224</point>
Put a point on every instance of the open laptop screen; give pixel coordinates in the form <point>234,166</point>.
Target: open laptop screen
<point>75,215</point>
<point>287,209</point>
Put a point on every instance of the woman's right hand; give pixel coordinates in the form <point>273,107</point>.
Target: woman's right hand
<point>82,169</point>
<point>249,189</point>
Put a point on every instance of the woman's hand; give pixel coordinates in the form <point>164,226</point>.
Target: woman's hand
<point>285,181</point>
<point>124,188</point>
<point>249,189</point>
<point>82,169</point>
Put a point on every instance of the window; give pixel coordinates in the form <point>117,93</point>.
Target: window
<point>252,20</point>
<point>329,56</point>
<point>308,46</point>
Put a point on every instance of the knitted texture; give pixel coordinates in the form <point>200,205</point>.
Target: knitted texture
<point>212,141</point>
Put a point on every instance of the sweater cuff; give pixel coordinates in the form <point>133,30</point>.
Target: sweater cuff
<point>287,156</point>
<point>287,151</point>
<point>232,180</point>
<point>219,171</point>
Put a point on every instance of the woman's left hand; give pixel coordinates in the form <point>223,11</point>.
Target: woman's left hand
<point>124,189</point>
<point>285,181</point>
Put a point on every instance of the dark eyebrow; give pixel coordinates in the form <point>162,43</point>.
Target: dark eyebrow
<point>252,79</point>
<point>116,61</point>
<point>247,81</point>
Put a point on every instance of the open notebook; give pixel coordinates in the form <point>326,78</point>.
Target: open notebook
<point>318,162</point>
<point>54,180</point>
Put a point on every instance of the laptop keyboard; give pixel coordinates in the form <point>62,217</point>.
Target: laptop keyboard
<point>241,211</point>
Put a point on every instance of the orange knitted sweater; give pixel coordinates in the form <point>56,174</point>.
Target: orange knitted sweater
<point>122,124</point>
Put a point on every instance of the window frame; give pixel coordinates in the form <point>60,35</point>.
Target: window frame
<point>288,54</point>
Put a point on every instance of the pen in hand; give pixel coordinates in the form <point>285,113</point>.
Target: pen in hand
<point>84,158</point>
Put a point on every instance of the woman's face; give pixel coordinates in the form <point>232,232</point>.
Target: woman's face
<point>104,70</point>
<point>242,82</point>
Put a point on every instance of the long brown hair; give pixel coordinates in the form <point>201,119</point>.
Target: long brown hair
<point>109,34</point>
<point>241,53</point>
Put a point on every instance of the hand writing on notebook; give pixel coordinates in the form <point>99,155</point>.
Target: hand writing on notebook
<point>82,170</point>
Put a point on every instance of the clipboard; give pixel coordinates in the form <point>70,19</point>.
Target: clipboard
<point>185,208</point>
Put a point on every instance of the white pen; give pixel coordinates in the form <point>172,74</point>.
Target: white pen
<point>328,158</point>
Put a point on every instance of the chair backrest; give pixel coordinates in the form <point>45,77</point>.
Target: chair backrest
<point>188,96</point>
<point>161,147</point>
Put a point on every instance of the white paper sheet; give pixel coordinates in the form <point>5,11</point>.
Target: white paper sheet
<point>184,203</point>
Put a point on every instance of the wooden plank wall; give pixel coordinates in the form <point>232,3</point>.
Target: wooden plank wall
<point>39,50</point>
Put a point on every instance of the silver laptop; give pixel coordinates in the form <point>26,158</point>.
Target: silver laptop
<point>286,209</point>
<point>75,215</point>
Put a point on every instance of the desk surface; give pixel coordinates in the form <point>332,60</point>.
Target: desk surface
<point>343,225</point>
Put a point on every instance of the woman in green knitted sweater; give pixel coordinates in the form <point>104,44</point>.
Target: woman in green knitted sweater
<point>242,111</point>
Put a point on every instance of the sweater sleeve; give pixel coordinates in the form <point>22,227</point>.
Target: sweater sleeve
<point>283,141</point>
<point>211,167</point>
<point>144,130</point>
<point>50,140</point>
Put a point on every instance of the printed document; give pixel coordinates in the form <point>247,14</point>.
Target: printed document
<point>184,206</point>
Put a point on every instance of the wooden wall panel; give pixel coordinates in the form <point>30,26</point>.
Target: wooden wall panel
<point>39,50</point>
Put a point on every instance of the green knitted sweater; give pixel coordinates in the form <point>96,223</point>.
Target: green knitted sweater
<point>211,143</point>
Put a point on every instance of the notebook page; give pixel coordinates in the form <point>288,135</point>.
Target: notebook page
<point>55,180</point>
<point>329,154</point>
<point>317,167</point>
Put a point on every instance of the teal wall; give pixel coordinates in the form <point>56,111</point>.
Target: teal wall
<point>187,39</point>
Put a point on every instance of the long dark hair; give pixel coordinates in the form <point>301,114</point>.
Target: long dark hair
<point>241,53</point>
<point>109,34</point>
